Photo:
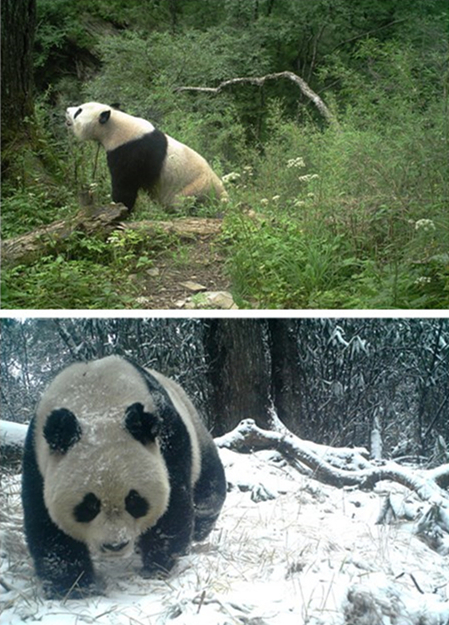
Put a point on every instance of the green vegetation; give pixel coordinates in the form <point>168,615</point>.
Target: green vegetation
<point>348,215</point>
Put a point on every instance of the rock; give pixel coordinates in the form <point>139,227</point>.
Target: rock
<point>193,286</point>
<point>212,299</point>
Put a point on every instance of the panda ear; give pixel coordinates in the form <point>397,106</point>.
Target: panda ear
<point>104,116</point>
<point>62,430</point>
<point>144,426</point>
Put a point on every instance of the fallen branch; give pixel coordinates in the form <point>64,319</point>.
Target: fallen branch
<point>326,465</point>
<point>260,81</point>
<point>27,248</point>
<point>101,221</point>
<point>188,228</point>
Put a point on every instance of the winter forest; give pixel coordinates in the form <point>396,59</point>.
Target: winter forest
<point>333,434</point>
<point>329,380</point>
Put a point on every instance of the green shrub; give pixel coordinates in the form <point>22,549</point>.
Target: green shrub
<point>345,217</point>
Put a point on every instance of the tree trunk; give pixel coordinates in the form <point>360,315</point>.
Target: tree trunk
<point>238,370</point>
<point>18,26</point>
<point>286,372</point>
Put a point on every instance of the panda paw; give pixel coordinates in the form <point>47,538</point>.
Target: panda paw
<point>157,571</point>
<point>76,591</point>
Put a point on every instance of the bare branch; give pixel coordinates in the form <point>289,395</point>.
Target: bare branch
<point>260,81</point>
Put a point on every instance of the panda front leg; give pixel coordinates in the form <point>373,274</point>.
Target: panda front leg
<point>62,563</point>
<point>171,537</point>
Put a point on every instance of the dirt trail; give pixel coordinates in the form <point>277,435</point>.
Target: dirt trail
<point>170,283</point>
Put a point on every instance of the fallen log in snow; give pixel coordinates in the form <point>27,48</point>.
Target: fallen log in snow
<point>12,440</point>
<point>325,463</point>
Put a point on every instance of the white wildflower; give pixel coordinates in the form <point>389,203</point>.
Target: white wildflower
<point>231,177</point>
<point>423,280</point>
<point>426,225</point>
<point>299,203</point>
<point>264,201</point>
<point>275,198</point>
<point>308,177</point>
<point>295,162</point>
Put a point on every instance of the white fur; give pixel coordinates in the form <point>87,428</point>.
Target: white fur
<point>185,173</point>
<point>107,460</point>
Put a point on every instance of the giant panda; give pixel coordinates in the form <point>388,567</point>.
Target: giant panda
<point>142,157</point>
<point>116,459</point>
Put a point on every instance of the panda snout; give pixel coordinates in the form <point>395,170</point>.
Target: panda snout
<point>114,548</point>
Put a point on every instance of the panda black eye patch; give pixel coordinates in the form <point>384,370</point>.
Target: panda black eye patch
<point>80,110</point>
<point>88,509</point>
<point>136,505</point>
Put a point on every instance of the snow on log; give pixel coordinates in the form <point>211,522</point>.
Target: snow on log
<point>12,439</point>
<point>326,466</point>
<point>12,434</point>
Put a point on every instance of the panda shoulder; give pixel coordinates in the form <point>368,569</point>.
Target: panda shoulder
<point>134,125</point>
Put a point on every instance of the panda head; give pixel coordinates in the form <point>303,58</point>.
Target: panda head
<point>105,124</point>
<point>87,121</point>
<point>105,481</point>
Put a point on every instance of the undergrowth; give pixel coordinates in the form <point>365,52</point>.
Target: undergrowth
<point>345,218</point>
<point>89,274</point>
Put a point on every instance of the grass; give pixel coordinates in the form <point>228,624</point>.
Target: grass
<point>341,219</point>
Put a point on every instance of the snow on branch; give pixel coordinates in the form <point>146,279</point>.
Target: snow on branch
<point>12,439</point>
<point>260,80</point>
<point>338,467</point>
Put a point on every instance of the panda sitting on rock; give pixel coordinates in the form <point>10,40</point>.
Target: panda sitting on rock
<point>142,157</point>
<point>116,458</point>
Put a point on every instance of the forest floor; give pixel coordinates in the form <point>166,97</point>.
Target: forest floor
<point>183,282</point>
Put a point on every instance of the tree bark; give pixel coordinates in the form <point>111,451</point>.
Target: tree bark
<point>18,26</point>
<point>286,374</point>
<point>238,371</point>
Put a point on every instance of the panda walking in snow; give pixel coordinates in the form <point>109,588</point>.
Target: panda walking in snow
<point>142,157</point>
<point>116,458</point>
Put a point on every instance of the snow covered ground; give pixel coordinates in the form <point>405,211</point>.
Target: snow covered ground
<point>287,550</point>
